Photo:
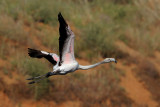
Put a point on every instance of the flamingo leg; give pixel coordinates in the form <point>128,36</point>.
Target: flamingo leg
<point>32,78</point>
<point>39,78</point>
<point>32,82</point>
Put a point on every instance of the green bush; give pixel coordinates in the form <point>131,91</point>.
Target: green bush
<point>92,89</point>
<point>13,30</point>
<point>33,68</point>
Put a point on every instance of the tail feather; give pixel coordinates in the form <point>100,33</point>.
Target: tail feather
<point>35,53</point>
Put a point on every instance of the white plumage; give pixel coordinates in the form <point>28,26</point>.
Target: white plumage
<point>65,63</point>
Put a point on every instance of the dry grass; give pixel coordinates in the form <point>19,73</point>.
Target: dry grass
<point>129,22</point>
<point>99,24</point>
<point>12,29</point>
<point>142,31</point>
<point>92,89</point>
<point>148,73</point>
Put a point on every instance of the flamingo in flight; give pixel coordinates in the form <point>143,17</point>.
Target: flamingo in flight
<point>65,62</point>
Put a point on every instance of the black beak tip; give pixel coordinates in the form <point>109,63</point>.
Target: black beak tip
<point>115,61</point>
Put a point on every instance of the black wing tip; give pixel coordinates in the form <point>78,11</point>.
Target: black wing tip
<point>35,53</point>
<point>59,14</point>
<point>61,19</point>
<point>31,50</point>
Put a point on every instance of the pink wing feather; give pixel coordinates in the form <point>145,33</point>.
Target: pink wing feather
<point>66,42</point>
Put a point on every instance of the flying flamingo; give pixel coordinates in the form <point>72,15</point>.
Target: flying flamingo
<point>66,63</point>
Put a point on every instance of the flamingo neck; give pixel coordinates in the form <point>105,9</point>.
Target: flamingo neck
<point>90,66</point>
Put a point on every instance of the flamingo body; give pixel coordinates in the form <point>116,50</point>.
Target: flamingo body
<point>66,68</point>
<point>65,62</point>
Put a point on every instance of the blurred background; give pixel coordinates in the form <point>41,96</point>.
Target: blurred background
<point>128,30</point>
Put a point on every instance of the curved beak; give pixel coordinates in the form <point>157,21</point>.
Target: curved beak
<point>115,61</point>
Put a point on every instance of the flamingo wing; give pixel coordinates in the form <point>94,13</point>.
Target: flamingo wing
<point>51,57</point>
<point>66,42</point>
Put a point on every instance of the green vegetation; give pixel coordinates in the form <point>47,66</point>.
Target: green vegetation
<point>100,23</point>
<point>33,68</point>
<point>97,24</point>
<point>150,76</point>
<point>91,89</point>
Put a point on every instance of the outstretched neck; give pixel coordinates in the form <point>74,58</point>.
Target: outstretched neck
<point>90,66</point>
<point>107,60</point>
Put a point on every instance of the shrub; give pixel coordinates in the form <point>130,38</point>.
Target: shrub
<point>13,30</point>
<point>93,89</point>
<point>33,68</point>
<point>148,73</point>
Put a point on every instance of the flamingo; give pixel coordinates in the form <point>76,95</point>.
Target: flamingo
<point>64,63</point>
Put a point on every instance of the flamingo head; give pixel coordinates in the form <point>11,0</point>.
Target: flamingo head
<point>107,60</point>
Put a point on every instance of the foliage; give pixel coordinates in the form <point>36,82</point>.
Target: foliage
<point>92,89</point>
<point>33,68</point>
<point>97,24</point>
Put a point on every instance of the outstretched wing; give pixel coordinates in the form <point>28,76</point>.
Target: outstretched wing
<point>66,42</point>
<point>51,57</point>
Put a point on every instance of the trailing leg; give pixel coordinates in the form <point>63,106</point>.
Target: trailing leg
<point>39,78</point>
